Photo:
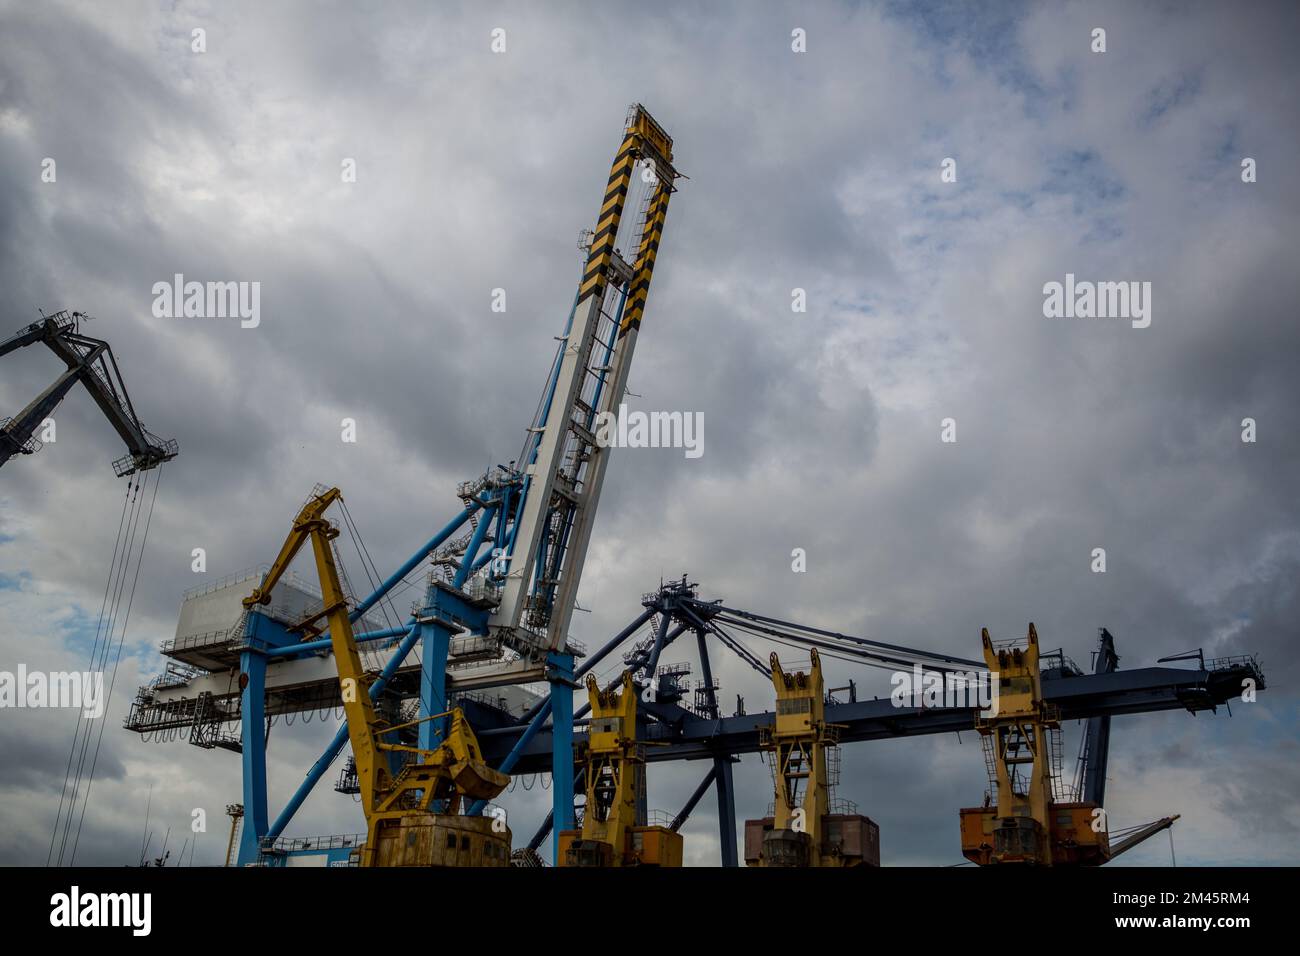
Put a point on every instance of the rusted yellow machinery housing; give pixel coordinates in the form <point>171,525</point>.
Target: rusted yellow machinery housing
<point>1071,837</point>
<point>614,830</point>
<point>1021,821</point>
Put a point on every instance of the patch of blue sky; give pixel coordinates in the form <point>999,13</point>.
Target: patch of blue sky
<point>989,33</point>
<point>1167,95</point>
<point>1220,154</point>
<point>1094,189</point>
<point>1016,199</point>
<point>85,635</point>
<point>14,582</point>
<point>867,304</point>
<point>80,631</point>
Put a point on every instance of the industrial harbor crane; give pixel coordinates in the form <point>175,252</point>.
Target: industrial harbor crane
<point>1028,817</point>
<point>91,362</point>
<point>499,598</point>
<point>804,829</point>
<point>1021,741</point>
<point>412,813</point>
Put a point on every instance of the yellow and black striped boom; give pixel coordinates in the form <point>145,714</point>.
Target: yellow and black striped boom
<point>590,382</point>
<point>645,141</point>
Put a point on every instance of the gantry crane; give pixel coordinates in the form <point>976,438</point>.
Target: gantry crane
<point>804,830</point>
<point>502,594</point>
<point>1023,820</point>
<point>412,805</point>
<point>91,362</point>
<point>614,827</point>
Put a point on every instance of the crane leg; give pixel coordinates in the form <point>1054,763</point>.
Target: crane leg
<point>16,438</point>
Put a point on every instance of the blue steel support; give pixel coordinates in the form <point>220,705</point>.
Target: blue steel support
<point>263,636</point>
<point>672,636</point>
<point>561,679</point>
<point>660,635</point>
<point>252,669</point>
<point>322,764</point>
<point>435,642</point>
<point>530,454</point>
<point>311,647</point>
<point>726,790</point>
<point>596,658</point>
<point>560,675</point>
<point>1096,752</point>
<point>684,814</point>
<point>475,542</point>
<point>447,531</point>
<point>725,786</point>
<point>706,672</point>
<point>435,636</point>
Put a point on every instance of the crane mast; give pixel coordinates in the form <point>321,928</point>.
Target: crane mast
<point>564,466</point>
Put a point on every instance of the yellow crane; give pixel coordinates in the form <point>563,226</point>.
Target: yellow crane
<point>412,815</point>
<point>1021,820</point>
<point>802,830</point>
<point>613,833</point>
<point>1017,740</point>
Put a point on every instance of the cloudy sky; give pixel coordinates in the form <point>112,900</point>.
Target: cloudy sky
<point>817,170</point>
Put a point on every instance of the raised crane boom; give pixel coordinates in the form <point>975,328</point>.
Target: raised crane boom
<point>91,362</point>
<point>564,467</point>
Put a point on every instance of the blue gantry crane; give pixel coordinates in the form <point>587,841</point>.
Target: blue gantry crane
<point>505,601</point>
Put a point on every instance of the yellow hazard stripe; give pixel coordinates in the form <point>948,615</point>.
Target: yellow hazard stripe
<point>645,263</point>
<point>611,213</point>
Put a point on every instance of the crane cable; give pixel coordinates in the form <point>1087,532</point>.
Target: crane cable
<point>124,553</point>
<point>369,567</point>
<point>90,780</point>
<point>67,773</point>
<point>99,653</point>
